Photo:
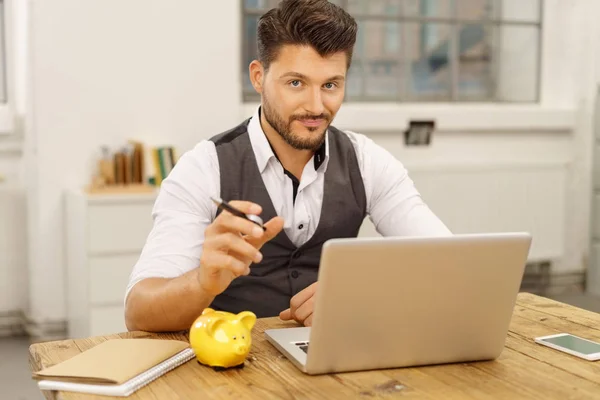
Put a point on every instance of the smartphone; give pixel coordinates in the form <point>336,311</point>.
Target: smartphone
<point>572,344</point>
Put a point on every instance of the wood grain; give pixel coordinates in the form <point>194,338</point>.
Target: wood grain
<point>525,370</point>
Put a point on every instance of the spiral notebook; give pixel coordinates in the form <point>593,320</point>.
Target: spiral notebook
<point>117,367</point>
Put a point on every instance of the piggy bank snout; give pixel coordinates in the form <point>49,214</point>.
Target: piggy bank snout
<point>240,349</point>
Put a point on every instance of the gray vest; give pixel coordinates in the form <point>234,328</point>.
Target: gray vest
<point>286,269</point>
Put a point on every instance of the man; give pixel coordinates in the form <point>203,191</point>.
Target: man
<point>308,180</point>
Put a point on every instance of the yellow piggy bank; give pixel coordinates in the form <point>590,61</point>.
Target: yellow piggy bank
<point>222,339</point>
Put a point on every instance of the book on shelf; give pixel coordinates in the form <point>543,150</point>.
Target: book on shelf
<point>164,161</point>
<point>135,167</point>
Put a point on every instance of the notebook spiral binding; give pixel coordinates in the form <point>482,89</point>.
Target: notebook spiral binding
<point>157,371</point>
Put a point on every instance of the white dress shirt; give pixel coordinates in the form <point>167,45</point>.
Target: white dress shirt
<point>183,208</point>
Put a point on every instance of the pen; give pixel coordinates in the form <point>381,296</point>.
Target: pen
<point>223,205</point>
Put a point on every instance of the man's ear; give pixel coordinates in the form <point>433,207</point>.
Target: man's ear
<point>257,75</point>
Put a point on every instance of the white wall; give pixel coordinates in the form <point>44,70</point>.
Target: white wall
<point>569,79</point>
<point>13,265</point>
<point>103,72</point>
<point>12,113</point>
<point>592,146</point>
<point>13,273</point>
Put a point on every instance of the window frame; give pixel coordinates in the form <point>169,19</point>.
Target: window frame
<point>7,108</point>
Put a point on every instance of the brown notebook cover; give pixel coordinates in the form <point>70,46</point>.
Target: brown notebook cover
<point>114,361</point>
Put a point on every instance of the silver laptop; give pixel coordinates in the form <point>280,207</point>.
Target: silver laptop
<point>399,302</point>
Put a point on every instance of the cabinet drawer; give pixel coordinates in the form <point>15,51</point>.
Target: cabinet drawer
<point>107,320</point>
<point>109,276</point>
<point>119,227</point>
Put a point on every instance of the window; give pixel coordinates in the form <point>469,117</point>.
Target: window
<point>12,15</point>
<point>432,50</point>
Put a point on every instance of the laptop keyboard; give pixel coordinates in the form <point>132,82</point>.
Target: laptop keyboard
<point>303,346</point>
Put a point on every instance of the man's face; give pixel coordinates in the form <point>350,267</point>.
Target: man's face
<point>301,94</point>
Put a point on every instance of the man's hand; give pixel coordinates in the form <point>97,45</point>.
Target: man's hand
<point>301,306</point>
<point>231,245</point>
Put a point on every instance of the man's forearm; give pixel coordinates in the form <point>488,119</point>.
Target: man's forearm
<point>163,305</point>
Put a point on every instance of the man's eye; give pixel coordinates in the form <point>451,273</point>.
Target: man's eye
<point>295,83</point>
<point>330,85</point>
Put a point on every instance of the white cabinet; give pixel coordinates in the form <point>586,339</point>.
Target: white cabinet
<point>105,235</point>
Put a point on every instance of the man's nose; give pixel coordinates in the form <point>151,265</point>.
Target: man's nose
<point>314,104</point>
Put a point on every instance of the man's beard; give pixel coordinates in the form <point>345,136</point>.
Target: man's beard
<point>285,129</point>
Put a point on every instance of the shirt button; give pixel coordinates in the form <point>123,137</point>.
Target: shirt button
<point>294,274</point>
<point>300,226</point>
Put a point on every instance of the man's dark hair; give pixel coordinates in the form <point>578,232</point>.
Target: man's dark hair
<point>320,24</point>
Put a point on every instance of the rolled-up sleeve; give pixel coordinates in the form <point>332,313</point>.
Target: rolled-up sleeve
<point>181,213</point>
<point>394,204</point>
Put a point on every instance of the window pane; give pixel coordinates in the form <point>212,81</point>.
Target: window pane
<point>519,10</point>
<point>380,60</point>
<point>354,80</point>
<point>374,7</point>
<point>428,49</point>
<point>250,4</point>
<point>264,5</point>
<point>475,72</point>
<point>476,9</point>
<point>250,50</point>
<point>260,4</point>
<point>517,58</point>
<point>429,8</point>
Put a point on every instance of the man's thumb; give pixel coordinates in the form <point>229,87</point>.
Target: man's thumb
<point>274,226</point>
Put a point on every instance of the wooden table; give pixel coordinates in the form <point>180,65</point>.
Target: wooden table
<point>525,370</point>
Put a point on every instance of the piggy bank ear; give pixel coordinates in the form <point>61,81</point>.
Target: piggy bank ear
<point>213,325</point>
<point>247,318</point>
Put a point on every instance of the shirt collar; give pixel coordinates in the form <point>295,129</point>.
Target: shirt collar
<point>262,149</point>
<point>321,156</point>
<point>264,152</point>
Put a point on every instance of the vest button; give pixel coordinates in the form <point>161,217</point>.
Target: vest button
<point>297,254</point>
<point>295,274</point>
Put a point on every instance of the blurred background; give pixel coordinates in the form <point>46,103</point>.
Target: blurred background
<point>507,91</point>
